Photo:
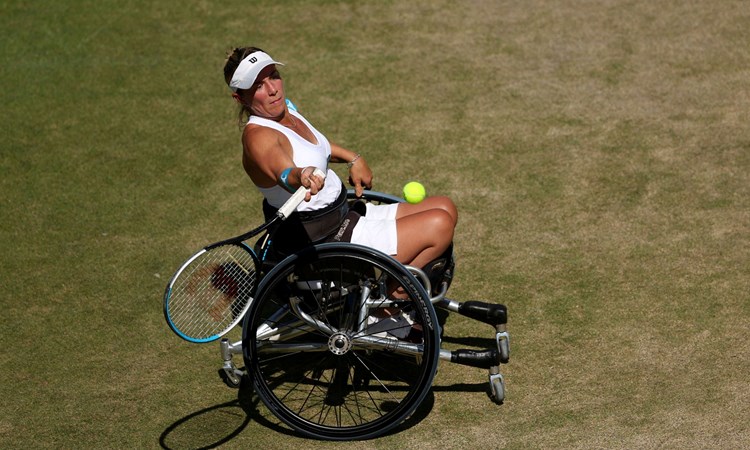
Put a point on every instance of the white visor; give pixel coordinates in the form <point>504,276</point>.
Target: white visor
<point>248,70</point>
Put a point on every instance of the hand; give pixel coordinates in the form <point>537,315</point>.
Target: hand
<point>360,176</point>
<point>313,179</point>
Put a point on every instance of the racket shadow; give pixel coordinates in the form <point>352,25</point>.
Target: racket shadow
<point>207,428</point>
<point>219,424</point>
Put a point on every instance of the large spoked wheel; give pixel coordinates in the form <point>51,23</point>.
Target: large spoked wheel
<point>341,342</point>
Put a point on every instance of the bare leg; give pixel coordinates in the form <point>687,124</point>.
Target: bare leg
<point>444,203</point>
<point>425,230</point>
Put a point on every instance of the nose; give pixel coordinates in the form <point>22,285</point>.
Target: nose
<point>269,86</point>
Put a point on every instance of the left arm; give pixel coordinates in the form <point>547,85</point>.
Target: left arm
<point>360,175</point>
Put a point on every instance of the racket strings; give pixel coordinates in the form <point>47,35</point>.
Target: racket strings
<point>209,295</point>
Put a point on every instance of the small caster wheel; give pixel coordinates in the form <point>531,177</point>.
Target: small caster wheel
<point>497,389</point>
<point>230,378</point>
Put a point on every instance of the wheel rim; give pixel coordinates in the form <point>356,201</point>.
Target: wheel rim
<point>341,373</point>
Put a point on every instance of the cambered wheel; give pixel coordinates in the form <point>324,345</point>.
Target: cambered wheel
<point>329,350</point>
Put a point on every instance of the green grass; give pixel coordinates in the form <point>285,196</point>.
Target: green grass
<point>598,152</point>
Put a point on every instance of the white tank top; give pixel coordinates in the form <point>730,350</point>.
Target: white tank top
<point>304,154</point>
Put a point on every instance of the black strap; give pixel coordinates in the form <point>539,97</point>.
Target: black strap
<point>308,227</point>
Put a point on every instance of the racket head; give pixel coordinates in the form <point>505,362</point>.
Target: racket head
<point>211,292</point>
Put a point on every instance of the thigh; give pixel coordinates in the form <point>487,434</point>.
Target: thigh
<point>437,202</point>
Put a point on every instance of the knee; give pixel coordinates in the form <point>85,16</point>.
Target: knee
<point>442,225</point>
<point>447,205</point>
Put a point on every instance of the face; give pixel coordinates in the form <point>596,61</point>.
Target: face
<point>266,96</point>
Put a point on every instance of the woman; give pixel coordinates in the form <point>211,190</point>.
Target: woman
<point>281,150</point>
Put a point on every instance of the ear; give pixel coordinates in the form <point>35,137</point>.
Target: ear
<point>237,97</point>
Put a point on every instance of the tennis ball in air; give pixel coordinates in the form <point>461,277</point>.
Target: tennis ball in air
<point>414,192</point>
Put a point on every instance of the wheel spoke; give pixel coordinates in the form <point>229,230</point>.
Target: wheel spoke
<point>337,358</point>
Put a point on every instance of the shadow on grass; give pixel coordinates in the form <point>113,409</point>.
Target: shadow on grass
<point>216,425</point>
<point>475,342</point>
<point>219,424</point>
<point>481,343</point>
<point>207,428</point>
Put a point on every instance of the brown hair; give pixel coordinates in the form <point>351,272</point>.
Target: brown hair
<point>230,66</point>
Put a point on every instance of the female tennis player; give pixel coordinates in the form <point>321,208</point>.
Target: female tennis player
<point>282,149</point>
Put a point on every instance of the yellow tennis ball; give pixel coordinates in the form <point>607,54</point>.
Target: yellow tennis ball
<point>414,192</point>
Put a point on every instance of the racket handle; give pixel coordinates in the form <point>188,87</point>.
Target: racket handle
<point>291,205</point>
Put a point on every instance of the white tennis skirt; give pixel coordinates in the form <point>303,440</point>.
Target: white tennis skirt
<point>377,228</point>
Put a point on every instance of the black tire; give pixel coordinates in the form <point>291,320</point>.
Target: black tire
<point>351,376</point>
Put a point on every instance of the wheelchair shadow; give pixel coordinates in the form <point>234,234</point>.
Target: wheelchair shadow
<point>475,342</point>
<point>217,425</point>
<point>478,343</point>
<point>424,409</point>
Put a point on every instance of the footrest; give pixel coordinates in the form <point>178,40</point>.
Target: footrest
<point>490,313</point>
<point>483,359</point>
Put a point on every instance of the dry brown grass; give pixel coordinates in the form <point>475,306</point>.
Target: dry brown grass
<point>598,151</point>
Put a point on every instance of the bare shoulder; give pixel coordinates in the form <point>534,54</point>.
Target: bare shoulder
<point>259,136</point>
<point>266,152</point>
<point>259,140</point>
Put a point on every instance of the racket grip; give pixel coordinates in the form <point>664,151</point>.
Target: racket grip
<point>291,205</point>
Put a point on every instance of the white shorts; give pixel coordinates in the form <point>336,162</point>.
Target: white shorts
<point>377,228</point>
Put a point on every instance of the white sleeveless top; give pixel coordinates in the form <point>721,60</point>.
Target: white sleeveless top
<point>304,154</point>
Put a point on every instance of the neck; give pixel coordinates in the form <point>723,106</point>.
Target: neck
<point>285,118</point>
<point>288,120</point>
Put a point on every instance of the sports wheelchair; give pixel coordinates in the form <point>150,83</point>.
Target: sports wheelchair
<point>342,342</point>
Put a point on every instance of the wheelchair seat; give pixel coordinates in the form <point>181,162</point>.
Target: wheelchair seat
<point>440,271</point>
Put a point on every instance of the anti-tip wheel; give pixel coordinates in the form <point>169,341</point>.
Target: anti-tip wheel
<point>497,389</point>
<point>230,379</point>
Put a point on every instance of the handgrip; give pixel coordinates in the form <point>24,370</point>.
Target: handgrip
<point>291,205</point>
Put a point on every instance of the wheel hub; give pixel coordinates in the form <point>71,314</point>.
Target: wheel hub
<point>339,343</point>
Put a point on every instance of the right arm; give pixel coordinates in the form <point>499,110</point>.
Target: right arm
<point>267,154</point>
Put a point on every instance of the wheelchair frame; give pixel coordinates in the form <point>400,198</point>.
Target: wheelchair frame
<point>285,308</point>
